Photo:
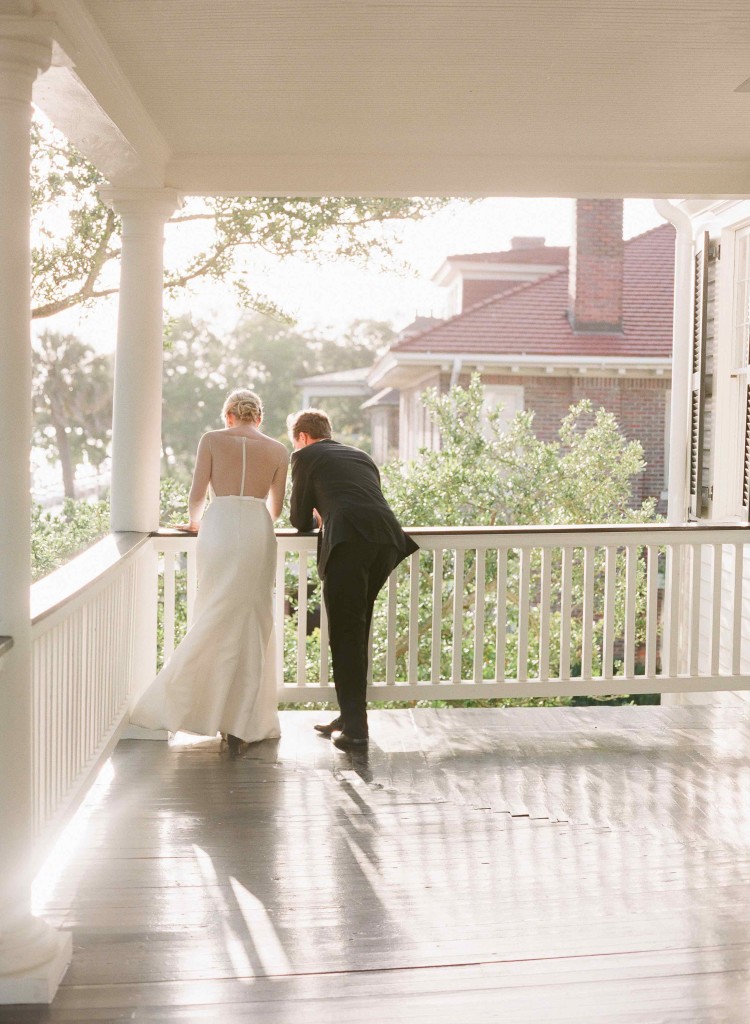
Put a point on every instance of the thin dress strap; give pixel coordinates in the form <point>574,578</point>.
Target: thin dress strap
<point>244,459</point>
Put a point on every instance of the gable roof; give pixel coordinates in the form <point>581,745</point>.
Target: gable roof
<point>552,254</point>
<point>531,318</point>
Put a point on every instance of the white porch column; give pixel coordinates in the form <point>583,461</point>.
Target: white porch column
<point>678,486</point>
<point>136,420</point>
<point>33,956</point>
<point>679,425</point>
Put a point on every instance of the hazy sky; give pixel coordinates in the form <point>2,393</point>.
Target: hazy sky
<point>330,295</point>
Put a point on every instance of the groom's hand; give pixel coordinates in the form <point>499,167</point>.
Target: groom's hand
<point>317,519</point>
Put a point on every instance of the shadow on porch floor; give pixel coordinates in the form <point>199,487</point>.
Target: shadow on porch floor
<point>483,865</point>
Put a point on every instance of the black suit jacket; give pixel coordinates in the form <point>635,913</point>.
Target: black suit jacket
<point>343,484</point>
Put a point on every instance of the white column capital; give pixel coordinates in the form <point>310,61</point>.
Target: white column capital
<point>25,50</point>
<point>152,203</point>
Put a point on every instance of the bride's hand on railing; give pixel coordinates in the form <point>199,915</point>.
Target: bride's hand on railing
<point>186,527</point>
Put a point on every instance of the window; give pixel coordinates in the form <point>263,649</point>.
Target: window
<point>508,396</point>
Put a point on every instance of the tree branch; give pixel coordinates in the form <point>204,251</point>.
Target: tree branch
<point>88,287</point>
<point>74,299</point>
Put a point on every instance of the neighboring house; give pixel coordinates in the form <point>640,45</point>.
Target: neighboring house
<point>545,335</point>
<point>337,384</point>
<point>382,406</point>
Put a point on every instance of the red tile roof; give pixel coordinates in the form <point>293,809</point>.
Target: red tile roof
<point>531,319</point>
<point>554,254</point>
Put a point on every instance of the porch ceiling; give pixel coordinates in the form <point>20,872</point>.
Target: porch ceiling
<point>408,96</point>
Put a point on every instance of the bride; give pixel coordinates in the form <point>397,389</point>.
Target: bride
<point>222,676</point>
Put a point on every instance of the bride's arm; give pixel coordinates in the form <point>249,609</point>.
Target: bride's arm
<point>275,499</point>
<point>201,479</point>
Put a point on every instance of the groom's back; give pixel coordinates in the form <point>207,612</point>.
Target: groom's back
<point>344,476</point>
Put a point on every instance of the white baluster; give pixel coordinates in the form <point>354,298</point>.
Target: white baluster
<point>390,627</point>
<point>545,614</point>
<point>302,619</point>
<point>412,675</point>
<point>524,586</point>
<point>610,576</point>
<point>479,591</point>
<point>501,614</point>
<point>566,603</point>
<point>631,584</point>
<point>169,605</point>
<point>736,640</point>
<point>437,615</point>
<point>458,616</point>
<point>716,609</point>
<point>652,624</point>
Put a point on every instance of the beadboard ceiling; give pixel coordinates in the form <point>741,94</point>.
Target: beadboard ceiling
<point>525,97</point>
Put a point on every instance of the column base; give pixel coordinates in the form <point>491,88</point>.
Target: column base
<point>40,983</point>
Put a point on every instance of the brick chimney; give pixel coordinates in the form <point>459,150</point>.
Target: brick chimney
<point>596,264</point>
<point>527,242</point>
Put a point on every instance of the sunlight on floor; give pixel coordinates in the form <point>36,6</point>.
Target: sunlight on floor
<point>71,840</point>
<point>261,930</point>
<point>261,941</point>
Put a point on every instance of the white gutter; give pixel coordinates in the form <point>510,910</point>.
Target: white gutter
<point>515,363</point>
<point>679,424</point>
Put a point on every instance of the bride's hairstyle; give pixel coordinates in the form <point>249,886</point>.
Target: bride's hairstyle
<point>245,405</point>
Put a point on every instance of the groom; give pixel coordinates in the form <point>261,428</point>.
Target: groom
<point>337,488</point>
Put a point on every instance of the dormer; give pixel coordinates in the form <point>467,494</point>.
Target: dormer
<point>474,277</point>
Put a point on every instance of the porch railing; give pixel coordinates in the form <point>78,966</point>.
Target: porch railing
<point>523,612</point>
<point>83,645</point>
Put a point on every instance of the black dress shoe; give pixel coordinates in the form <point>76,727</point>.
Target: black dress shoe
<point>345,742</point>
<point>330,729</point>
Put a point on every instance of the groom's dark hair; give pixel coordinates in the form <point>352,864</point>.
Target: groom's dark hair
<point>313,422</point>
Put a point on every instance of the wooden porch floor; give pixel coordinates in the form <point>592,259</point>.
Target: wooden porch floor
<point>545,865</point>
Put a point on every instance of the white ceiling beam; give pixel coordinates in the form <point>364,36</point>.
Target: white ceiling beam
<point>87,96</point>
<point>441,174</point>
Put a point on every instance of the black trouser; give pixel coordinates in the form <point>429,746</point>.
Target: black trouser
<point>354,575</point>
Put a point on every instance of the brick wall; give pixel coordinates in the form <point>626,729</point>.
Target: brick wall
<point>638,405</point>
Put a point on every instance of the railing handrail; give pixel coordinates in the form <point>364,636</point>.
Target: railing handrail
<point>52,592</point>
<point>522,530</point>
<point>82,572</point>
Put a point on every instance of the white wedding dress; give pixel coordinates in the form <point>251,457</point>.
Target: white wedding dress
<point>222,677</point>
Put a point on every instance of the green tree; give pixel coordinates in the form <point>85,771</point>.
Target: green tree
<point>261,353</point>
<point>58,537</point>
<point>485,475</point>
<point>77,238</point>
<point>72,403</point>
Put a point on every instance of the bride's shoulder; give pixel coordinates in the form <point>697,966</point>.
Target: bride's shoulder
<point>279,448</point>
<point>209,439</point>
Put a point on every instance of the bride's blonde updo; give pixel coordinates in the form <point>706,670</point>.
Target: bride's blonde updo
<point>245,405</point>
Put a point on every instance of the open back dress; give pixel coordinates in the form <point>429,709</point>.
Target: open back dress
<point>222,677</point>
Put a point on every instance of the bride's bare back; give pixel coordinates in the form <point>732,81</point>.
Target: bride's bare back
<point>218,464</point>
